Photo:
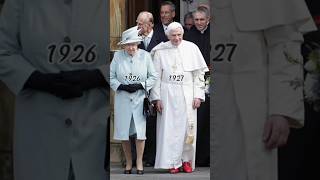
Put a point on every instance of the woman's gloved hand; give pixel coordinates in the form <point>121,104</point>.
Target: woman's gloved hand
<point>86,79</point>
<point>136,86</point>
<point>52,83</point>
<point>127,88</point>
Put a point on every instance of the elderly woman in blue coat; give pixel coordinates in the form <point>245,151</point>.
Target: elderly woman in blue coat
<point>131,73</point>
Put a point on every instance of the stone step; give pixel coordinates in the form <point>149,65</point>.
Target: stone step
<point>200,173</point>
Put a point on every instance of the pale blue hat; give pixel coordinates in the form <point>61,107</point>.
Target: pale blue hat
<point>130,35</point>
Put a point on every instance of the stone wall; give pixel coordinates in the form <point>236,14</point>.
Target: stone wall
<point>117,22</point>
<point>117,26</point>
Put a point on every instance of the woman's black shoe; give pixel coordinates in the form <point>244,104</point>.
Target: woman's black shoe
<point>127,171</point>
<point>140,172</point>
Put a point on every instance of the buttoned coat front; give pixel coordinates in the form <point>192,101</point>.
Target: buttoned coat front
<point>126,69</point>
<point>50,132</point>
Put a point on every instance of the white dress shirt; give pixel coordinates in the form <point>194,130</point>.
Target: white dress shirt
<point>147,39</point>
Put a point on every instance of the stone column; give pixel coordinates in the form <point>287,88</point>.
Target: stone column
<point>117,26</point>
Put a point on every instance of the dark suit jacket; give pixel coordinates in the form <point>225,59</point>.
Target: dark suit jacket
<point>153,42</point>
<point>159,32</point>
<point>201,40</point>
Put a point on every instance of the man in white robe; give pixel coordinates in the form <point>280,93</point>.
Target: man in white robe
<point>178,94</point>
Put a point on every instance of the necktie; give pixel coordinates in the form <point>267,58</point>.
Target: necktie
<point>146,42</point>
<point>165,29</point>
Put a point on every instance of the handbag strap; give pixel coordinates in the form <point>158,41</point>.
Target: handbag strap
<point>145,90</point>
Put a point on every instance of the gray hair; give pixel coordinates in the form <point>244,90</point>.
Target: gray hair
<point>168,3</point>
<point>147,16</point>
<point>202,9</point>
<point>188,15</point>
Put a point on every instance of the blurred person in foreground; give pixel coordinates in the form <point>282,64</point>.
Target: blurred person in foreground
<point>297,158</point>
<point>257,80</point>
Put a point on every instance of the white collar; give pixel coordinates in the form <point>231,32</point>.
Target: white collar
<point>150,34</point>
<point>204,29</point>
<point>164,27</point>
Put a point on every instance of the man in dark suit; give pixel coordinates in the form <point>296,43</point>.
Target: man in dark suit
<point>297,158</point>
<point>188,21</point>
<point>145,24</point>
<point>167,14</point>
<point>200,32</point>
<point>200,35</point>
<point>150,39</point>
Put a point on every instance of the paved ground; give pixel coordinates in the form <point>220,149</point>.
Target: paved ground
<point>201,173</point>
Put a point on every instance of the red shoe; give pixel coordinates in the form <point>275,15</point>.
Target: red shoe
<point>187,167</point>
<point>174,170</point>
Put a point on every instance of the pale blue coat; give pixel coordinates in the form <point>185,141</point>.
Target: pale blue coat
<point>128,105</point>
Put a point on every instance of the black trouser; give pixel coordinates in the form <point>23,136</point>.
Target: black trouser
<point>203,134</point>
<point>107,152</point>
<point>299,157</point>
<point>132,139</point>
<point>150,144</point>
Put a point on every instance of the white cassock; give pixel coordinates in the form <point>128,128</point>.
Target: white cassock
<point>253,79</point>
<point>181,70</point>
